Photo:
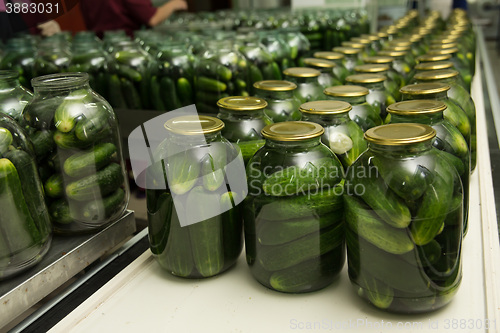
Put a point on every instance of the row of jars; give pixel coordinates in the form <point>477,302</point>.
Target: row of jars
<point>61,165</point>
<point>396,194</point>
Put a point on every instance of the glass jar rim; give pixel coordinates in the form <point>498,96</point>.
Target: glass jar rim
<point>292,131</point>
<point>60,80</point>
<point>402,134</point>
<point>9,74</point>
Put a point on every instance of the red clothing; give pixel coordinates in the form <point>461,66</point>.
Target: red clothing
<point>129,15</point>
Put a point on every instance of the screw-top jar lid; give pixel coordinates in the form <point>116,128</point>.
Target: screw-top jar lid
<point>424,88</point>
<point>60,80</point>
<point>399,48</point>
<point>302,72</point>
<point>443,40</point>
<point>371,68</point>
<point>325,107</point>
<point>400,134</point>
<point>346,50</point>
<point>354,45</point>
<point>242,103</point>
<point>372,38</point>
<point>450,50</point>
<point>292,131</point>
<point>320,63</point>
<point>194,125</point>
<point>391,53</point>
<point>399,42</point>
<point>361,40</point>
<point>275,85</point>
<point>436,75</point>
<point>378,60</point>
<point>365,78</point>
<point>346,91</point>
<point>328,55</point>
<point>382,34</point>
<point>442,46</point>
<point>419,106</point>
<point>433,57</point>
<point>435,65</point>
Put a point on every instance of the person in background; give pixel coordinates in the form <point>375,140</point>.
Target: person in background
<point>128,15</point>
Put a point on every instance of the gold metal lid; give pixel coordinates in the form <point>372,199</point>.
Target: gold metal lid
<point>292,131</point>
<point>365,78</point>
<point>424,88</point>
<point>436,75</point>
<point>242,103</point>
<point>433,57</point>
<point>399,134</point>
<point>442,46</point>
<point>419,106</point>
<point>451,50</point>
<point>378,60</point>
<point>353,45</point>
<point>382,34</point>
<point>275,85</point>
<point>398,48</point>
<point>302,72</point>
<point>434,65</point>
<point>371,68</point>
<point>363,40</point>
<point>325,107</point>
<point>372,38</point>
<point>320,63</point>
<point>415,38</point>
<point>329,55</point>
<point>194,125</point>
<point>400,42</point>
<point>346,91</point>
<point>346,50</point>
<point>391,53</point>
<point>443,40</point>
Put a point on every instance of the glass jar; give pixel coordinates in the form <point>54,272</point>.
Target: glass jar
<point>342,135</point>
<point>89,57</point>
<point>392,74</point>
<point>379,97</point>
<point>399,64</point>
<point>221,72</point>
<point>174,68</point>
<point>338,58</point>
<point>352,57</point>
<point>187,242</point>
<point>404,221</point>
<point>367,43</point>
<point>459,95</point>
<point>362,113</point>
<point>454,113</point>
<point>448,138</point>
<point>294,180</point>
<point>390,84</point>
<point>433,58</point>
<point>363,48</point>
<point>298,43</point>
<point>128,86</point>
<point>430,66</point>
<point>326,67</point>
<point>244,118</point>
<point>52,57</point>
<point>20,56</point>
<point>13,96</point>
<point>282,105</point>
<point>459,65</point>
<point>78,143</point>
<point>306,79</point>
<point>408,56</point>
<point>277,47</point>
<point>376,41</point>
<point>25,229</point>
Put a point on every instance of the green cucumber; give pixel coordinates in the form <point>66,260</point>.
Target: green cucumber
<point>5,140</point>
<point>159,220</point>
<point>156,99</point>
<point>68,141</point>
<point>43,143</point>
<point>177,257</point>
<point>98,185</point>
<point>70,109</point>
<point>169,94</point>
<point>206,235</point>
<point>455,161</point>
<point>128,73</point>
<point>315,273</point>
<point>18,227</point>
<point>300,180</point>
<point>358,144</point>
<point>60,212</point>
<point>209,98</point>
<point>425,255</point>
<point>208,84</point>
<point>185,91</point>
<point>280,232</point>
<point>212,171</point>
<point>318,203</point>
<point>249,148</point>
<point>54,186</point>
<point>132,97</point>
<point>366,224</point>
<point>93,128</point>
<point>377,292</point>
<point>274,258</point>
<point>104,209</point>
<point>232,226</point>
<point>255,74</point>
<point>31,188</point>
<point>116,98</point>
<point>214,69</point>
<point>183,170</point>
<point>86,162</point>
<point>434,207</point>
<point>271,71</point>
